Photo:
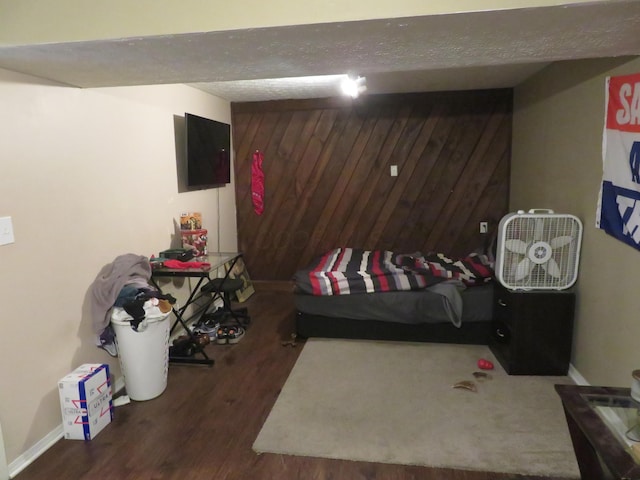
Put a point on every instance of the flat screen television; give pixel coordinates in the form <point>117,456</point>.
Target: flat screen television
<point>208,145</point>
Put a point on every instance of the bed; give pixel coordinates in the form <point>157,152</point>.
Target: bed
<point>382,295</point>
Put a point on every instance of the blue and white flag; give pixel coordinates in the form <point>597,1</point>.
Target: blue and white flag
<point>619,202</point>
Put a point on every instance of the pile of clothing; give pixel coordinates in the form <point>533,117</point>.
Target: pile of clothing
<point>122,291</point>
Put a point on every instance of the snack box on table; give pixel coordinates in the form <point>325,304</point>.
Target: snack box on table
<point>195,240</point>
<point>86,401</point>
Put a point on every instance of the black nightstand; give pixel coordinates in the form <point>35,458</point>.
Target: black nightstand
<point>532,330</point>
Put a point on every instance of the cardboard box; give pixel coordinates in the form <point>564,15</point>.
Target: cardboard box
<point>196,240</point>
<point>86,401</point>
<point>191,221</point>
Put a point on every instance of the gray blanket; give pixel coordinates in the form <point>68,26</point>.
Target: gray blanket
<point>124,270</point>
<point>451,299</point>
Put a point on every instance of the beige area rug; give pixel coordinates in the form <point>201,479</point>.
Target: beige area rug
<point>393,402</point>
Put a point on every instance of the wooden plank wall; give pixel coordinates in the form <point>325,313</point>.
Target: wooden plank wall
<point>328,184</point>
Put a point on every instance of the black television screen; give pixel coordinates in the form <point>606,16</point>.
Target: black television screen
<point>208,151</point>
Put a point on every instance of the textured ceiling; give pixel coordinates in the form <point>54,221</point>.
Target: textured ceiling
<point>490,49</point>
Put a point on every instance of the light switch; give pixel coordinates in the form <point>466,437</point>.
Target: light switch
<point>394,170</point>
<point>6,231</point>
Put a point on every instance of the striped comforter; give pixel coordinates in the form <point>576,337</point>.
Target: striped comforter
<point>346,271</point>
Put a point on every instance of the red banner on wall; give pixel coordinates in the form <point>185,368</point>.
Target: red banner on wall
<point>257,183</point>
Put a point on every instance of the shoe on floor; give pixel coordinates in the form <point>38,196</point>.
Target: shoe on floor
<point>182,347</point>
<point>110,348</point>
<point>235,334</point>
<point>229,335</point>
<point>214,317</point>
<point>221,336</point>
<point>205,329</point>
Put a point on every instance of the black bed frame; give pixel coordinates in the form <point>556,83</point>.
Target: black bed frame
<point>308,325</point>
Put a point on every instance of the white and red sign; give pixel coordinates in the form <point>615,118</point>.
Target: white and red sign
<point>619,203</point>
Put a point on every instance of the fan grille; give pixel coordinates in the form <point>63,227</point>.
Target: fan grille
<point>538,251</point>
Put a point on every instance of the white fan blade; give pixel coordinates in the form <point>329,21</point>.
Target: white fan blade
<point>539,231</point>
<point>552,268</point>
<point>516,246</point>
<point>560,242</point>
<point>523,269</point>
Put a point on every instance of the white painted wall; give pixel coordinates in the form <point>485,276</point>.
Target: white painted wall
<point>4,468</point>
<point>86,175</point>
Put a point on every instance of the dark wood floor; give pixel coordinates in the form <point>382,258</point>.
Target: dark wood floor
<point>202,427</point>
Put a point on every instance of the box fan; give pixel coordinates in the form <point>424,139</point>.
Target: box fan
<point>538,250</point>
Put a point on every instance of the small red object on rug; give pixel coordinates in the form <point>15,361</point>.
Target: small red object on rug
<point>485,364</point>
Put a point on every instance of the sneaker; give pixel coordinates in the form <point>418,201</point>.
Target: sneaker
<point>235,334</point>
<point>229,335</point>
<point>204,329</point>
<point>110,348</point>
<point>221,335</point>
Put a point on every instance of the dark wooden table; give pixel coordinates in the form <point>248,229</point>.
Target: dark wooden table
<point>600,451</point>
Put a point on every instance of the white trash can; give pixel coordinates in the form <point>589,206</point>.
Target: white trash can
<point>143,354</point>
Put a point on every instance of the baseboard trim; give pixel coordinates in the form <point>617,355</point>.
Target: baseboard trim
<point>44,444</point>
<point>24,460</point>
<point>575,375</point>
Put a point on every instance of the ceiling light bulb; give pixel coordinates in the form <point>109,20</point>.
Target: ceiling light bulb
<point>353,87</point>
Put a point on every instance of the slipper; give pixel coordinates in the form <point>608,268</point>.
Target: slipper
<point>482,376</point>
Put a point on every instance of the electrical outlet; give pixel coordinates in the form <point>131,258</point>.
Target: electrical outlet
<point>484,227</point>
<point>6,231</point>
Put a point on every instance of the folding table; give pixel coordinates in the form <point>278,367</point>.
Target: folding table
<point>215,260</point>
